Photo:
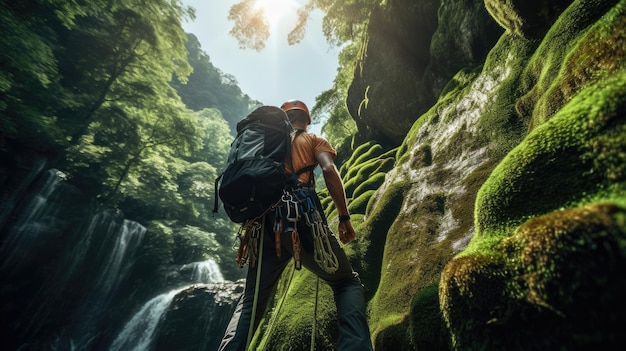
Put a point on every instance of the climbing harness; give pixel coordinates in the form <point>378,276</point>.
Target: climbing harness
<point>299,204</point>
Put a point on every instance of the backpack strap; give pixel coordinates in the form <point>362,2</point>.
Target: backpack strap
<point>216,202</point>
<point>305,169</point>
<point>293,180</point>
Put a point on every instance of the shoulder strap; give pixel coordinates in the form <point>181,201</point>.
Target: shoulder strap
<point>305,169</point>
<point>298,132</point>
<point>294,173</point>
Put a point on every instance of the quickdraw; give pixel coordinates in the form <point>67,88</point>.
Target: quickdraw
<point>248,236</point>
<point>278,230</point>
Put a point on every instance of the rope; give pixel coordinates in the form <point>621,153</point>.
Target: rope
<point>279,306</point>
<point>256,287</point>
<point>317,290</point>
<point>322,250</point>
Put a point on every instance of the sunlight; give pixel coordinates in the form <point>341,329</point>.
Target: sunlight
<point>277,10</point>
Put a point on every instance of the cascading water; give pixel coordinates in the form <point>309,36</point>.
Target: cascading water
<point>205,272</point>
<point>69,278</point>
<point>61,243</point>
<point>138,333</point>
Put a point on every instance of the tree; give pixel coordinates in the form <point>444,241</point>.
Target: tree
<point>343,22</point>
<point>208,87</point>
<point>134,47</point>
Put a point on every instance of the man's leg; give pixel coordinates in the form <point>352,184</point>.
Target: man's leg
<point>354,332</point>
<point>236,334</point>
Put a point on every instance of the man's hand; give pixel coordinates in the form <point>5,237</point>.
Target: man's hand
<point>346,232</point>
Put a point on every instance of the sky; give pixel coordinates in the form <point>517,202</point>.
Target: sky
<point>277,73</point>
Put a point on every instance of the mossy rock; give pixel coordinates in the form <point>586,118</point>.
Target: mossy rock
<point>562,269</point>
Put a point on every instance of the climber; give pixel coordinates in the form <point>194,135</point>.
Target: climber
<point>297,229</point>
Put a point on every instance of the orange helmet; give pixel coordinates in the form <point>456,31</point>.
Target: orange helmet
<point>296,105</point>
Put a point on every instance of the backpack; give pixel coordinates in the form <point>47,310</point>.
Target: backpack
<point>254,177</point>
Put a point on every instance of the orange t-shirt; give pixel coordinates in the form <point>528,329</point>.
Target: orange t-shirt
<point>304,149</point>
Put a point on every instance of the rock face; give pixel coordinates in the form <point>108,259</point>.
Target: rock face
<point>503,214</point>
<point>212,304</point>
<point>413,49</point>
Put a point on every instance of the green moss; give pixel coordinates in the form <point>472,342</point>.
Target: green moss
<point>394,337</point>
<point>410,260</point>
<point>292,325</point>
<point>428,330</point>
<point>358,151</point>
<point>372,234</point>
<point>564,162</point>
<point>361,161</point>
<point>386,164</point>
<point>370,183</point>
<point>564,268</point>
<point>579,52</point>
<point>359,204</point>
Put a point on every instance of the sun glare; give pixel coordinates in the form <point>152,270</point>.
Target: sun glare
<point>277,10</point>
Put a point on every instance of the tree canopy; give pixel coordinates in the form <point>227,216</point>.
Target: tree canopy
<point>116,95</point>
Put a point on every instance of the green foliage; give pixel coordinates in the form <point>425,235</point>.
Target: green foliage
<point>92,85</point>
<point>216,138</point>
<point>192,244</point>
<point>209,88</point>
<point>28,77</point>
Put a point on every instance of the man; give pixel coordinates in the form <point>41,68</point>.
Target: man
<point>307,150</point>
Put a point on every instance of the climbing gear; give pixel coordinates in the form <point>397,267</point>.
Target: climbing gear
<point>278,230</point>
<point>299,207</point>
<point>248,236</point>
<point>296,105</point>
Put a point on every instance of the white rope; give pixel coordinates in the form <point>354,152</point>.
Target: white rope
<point>322,250</point>
<point>256,287</point>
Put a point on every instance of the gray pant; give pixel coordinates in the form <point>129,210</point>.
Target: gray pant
<point>348,292</point>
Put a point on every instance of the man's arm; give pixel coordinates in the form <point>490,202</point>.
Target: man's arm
<point>337,193</point>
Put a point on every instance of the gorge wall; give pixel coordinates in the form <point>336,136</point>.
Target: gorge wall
<point>492,208</point>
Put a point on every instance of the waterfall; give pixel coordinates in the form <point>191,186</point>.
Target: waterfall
<point>65,269</point>
<point>66,257</point>
<point>138,333</point>
<point>33,223</point>
<point>205,272</point>
<point>117,263</point>
<point>18,186</point>
<point>117,258</point>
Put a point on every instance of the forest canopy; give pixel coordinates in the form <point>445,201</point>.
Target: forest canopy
<point>118,97</point>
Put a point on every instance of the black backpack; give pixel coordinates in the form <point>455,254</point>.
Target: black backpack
<point>254,177</point>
